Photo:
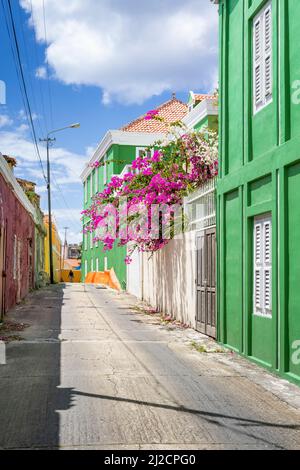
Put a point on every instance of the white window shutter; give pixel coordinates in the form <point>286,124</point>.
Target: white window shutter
<point>268,29</point>
<point>257,291</point>
<point>262,289</point>
<point>262,58</point>
<point>257,39</point>
<point>267,241</point>
<point>267,291</point>
<point>258,49</point>
<point>257,267</point>
<point>268,77</point>
<point>258,85</point>
<point>257,243</point>
<point>268,52</point>
<point>268,267</point>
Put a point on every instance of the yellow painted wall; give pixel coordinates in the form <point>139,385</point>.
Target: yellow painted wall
<point>56,248</point>
<point>65,275</point>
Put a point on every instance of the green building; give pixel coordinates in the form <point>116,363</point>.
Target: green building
<point>258,189</point>
<point>119,148</point>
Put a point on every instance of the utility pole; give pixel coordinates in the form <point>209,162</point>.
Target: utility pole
<point>49,141</point>
<point>65,245</point>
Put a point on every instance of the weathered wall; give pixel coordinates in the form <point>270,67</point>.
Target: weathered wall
<point>168,279</point>
<point>19,246</point>
<point>65,275</point>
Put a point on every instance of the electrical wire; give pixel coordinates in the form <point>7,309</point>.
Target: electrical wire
<point>17,57</point>
<point>37,62</point>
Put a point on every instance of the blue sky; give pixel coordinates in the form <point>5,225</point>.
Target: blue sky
<point>107,65</point>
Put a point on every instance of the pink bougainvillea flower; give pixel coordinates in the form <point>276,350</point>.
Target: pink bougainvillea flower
<point>150,114</point>
<point>156,156</point>
<point>176,168</point>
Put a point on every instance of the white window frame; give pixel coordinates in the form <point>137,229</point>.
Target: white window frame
<point>92,265</point>
<point>262,262</point>
<point>96,180</point>
<point>86,268</point>
<point>97,265</point>
<point>91,240</point>
<point>91,185</point>
<point>105,172</point>
<point>262,58</point>
<point>105,263</point>
<point>85,191</point>
<point>142,149</point>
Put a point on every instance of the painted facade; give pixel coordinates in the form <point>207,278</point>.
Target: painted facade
<point>258,188</point>
<point>17,239</point>
<point>119,148</point>
<point>56,249</point>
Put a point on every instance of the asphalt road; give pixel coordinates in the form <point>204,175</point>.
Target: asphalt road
<point>91,374</point>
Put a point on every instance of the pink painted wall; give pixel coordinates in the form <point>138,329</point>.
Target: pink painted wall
<point>19,258</point>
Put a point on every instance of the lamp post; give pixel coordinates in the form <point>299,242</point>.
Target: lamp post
<point>48,141</point>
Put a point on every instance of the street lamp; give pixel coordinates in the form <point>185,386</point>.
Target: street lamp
<point>48,141</point>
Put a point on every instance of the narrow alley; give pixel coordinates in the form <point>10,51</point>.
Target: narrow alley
<point>90,373</point>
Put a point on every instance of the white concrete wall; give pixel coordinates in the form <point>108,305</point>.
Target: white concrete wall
<point>168,279</point>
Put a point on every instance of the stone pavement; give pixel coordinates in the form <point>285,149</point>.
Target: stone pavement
<point>90,373</point>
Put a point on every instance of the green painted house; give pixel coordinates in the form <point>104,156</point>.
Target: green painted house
<point>258,188</point>
<point>119,148</point>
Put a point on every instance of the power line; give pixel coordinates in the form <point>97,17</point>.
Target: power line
<point>28,61</point>
<point>17,57</point>
<point>37,62</point>
<point>69,216</point>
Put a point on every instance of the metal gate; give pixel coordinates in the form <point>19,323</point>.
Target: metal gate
<point>206,282</point>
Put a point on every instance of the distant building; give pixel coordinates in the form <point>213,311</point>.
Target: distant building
<point>74,251</point>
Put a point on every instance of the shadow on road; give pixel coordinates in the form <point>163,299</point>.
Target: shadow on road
<point>32,395</point>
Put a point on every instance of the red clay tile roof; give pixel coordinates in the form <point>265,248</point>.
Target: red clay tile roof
<point>172,111</point>
<point>202,97</point>
<point>71,263</point>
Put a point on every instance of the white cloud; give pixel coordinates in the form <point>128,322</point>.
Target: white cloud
<point>131,49</point>
<point>41,72</point>
<point>67,165</point>
<point>5,121</point>
<point>69,218</point>
<point>23,117</point>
